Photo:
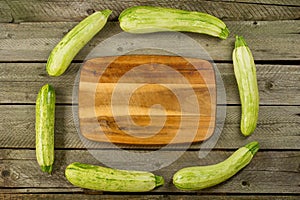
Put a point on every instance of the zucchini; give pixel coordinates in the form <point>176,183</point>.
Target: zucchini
<point>147,19</point>
<point>113,180</point>
<point>64,52</point>
<point>44,127</point>
<point>245,74</point>
<point>199,177</point>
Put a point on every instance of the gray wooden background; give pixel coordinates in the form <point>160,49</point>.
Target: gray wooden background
<point>30,29</point>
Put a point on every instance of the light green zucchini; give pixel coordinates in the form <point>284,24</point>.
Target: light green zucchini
<point>64,52</point>
<point>199,177</point>
<point>147,19</point>
<point>245,74</point>
<point>113,180</point>
<point>44,127</point>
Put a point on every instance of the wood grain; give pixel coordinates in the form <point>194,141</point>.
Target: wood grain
<point>20,83</point>
<point>34,10</point>
<point>184,87</point>
<point>92,195</point>
<point>5,12</point>
<point>269,172</point>
<point>273,41</point>
<point>278,128</point>
<point>30,29</point>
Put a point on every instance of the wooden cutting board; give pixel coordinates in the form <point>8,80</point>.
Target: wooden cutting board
<point>147,99</point>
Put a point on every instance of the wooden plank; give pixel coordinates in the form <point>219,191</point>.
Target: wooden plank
<point>20,83</point>
<point>268,41</point>
<point>31,77</point>
<point>268,2</point>
<point>34,10</point>
<point>269,172</point>
<point>96,196</point>
<point>278,128</point>
<point>5,12</point>
<point>273,81</point>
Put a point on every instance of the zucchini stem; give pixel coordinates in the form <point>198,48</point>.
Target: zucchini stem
<point>224,34</point>
<point>253,147</point>
<point>47,169</point>
<point>159,180</point>
<point>240,42</point>
<point>106,12</point>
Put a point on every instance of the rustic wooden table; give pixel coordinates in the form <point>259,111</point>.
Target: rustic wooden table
<point>30,29</point>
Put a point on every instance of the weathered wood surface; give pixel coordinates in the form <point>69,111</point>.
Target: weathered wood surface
<point>30,29</point>
<point>275,40</point>
<point>20,83</point>
<point>269,172</point>
<point>33,10</point>
<point>97,196</point>
<point>278,128</point>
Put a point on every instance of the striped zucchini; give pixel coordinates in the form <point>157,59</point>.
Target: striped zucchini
<point>245,74</point>
<point>113,180</point>
<point>199,177</point>
<point>64,52</point>
<point>44,127</point>
<point>147,19</point>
